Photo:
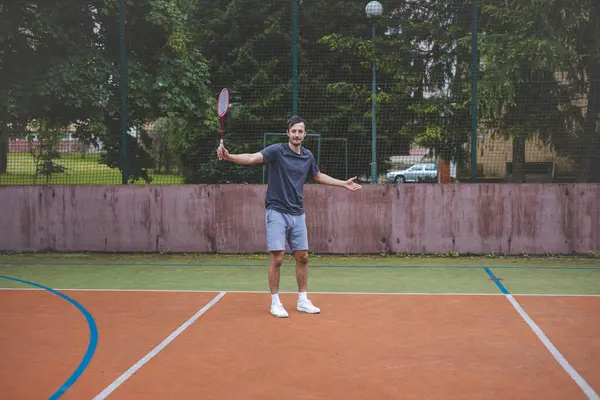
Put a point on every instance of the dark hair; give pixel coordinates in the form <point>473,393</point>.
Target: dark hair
<point>295,120</point>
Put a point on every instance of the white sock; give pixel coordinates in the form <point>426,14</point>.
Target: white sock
<point>275,298</point>
<point>302,296</point>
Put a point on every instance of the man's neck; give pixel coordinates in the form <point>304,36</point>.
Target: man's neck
<point>295,149</point>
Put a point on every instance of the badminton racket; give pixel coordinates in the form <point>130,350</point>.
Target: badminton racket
<point>222,107</point>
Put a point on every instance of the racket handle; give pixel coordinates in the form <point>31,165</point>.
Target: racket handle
<point>221,145</point>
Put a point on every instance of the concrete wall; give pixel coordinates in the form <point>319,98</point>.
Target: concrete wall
<point>478,219</point>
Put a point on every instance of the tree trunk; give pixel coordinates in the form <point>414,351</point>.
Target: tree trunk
<point>518,159</point>
<point>3,151</point>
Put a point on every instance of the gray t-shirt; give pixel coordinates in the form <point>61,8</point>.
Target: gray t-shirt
<point>288,172</point>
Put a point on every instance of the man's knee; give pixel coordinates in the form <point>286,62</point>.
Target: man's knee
<point>277,258</point>
<point>301,257</point>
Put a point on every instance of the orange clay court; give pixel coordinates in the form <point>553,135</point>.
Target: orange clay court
<point>133,327</point>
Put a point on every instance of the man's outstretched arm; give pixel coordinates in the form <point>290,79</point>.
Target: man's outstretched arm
<point>244,158</point>
<point>328,180</point>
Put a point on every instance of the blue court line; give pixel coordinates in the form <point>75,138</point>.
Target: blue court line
<point>498,283</point>
<point>265,264</point>
<point>92,343</point>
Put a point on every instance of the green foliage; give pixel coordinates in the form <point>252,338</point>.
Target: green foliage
<point>423,91</point>
<point>65,68</point>
<point>203,166</point>
<point>44,148</point>
<point>60,63</point>
<point>541,66</point>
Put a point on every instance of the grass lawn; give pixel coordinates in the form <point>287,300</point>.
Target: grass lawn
<point>81,169</point>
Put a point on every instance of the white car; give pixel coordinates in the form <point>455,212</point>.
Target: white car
<point>426,172</point>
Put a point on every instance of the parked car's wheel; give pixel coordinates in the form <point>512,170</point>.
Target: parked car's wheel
<point>399,179</point>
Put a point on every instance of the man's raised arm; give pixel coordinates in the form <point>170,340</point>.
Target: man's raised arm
<point>244,158</point>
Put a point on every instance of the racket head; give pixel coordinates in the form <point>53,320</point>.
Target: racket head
<point>223,103</point>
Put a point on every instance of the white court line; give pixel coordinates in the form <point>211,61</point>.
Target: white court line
<point>257,291</point>
<point>555,295</point>
<point>587,389</point>
<point>284,292</point>
<point>127,374</point>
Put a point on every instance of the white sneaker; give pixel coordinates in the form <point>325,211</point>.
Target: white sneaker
<point>307,307</point>
<point>278,311</point>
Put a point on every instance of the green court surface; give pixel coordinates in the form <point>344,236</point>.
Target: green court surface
<point>365,274</point>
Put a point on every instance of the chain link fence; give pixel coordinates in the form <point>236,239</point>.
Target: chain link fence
<point>394,92</point>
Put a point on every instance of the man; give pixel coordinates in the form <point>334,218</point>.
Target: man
<point>289,166</point>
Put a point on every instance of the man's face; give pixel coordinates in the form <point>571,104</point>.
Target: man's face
<point>296,133</point>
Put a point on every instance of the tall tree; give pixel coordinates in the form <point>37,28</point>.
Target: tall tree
<point>75,78</point>
<point>249,46</point>
<point>424,64</point>
<point>542,77</point>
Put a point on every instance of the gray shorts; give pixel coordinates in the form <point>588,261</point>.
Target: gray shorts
<point>285,228</point>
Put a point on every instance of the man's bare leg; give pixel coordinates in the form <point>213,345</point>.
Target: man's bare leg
<point>304,304</point>
<point>274,273</point>
<point>301,270</point>
<point>275,270</point>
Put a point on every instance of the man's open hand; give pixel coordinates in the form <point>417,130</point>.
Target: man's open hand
<point>351,185</point>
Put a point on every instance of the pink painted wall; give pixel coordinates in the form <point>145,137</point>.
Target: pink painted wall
<point>64,146</point>
<point>478,219</point>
